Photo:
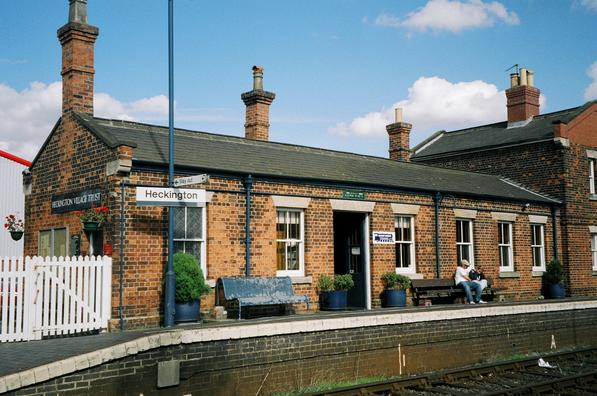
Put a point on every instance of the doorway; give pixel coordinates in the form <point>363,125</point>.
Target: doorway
<point>350,254</point>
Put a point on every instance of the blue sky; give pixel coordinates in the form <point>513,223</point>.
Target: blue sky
<point>338,67</point>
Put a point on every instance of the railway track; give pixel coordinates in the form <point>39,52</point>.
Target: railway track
<point>571,373</point>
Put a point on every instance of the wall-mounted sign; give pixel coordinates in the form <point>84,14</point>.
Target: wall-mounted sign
<point>77,200</point>
<point>185,181</point>
<point>159,196</point>
<point>384,238</point>
<point>351,194</point>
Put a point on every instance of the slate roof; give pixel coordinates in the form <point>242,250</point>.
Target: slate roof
<point>494,135</point>
<point>220,154</point>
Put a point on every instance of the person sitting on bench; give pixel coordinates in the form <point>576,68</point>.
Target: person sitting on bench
<point>476,275</point>
<point>462,279</point>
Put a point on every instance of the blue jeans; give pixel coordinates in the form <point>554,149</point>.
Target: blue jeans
<point>467,286</point>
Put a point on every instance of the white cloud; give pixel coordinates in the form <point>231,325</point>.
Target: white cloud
<point>451,15</point>
<point>590,4</point>
<point>591,91</point>
<point>434,103</point>
<point>27,117</point>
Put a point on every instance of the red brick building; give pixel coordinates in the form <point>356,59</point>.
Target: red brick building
<point>553,153</point>
<point>310,211</point>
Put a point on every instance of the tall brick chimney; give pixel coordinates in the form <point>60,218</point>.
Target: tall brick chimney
<point>522,96</point>
<point>399,134</point>
<point>257,102</point>
<point>77,38</point>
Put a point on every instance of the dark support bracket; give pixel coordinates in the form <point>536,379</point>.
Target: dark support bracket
<point>554,226</point>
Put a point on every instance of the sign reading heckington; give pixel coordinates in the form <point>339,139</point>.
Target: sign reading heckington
<point>159,196</point>
<point>352,194</point>
<point>77,200</point>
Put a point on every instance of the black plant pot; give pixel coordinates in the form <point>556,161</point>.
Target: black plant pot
<point>16,235</point>
<point>393,298</point>
<point>555,290</point>
<point>186,312</point>
<point>333,300</point>
<point>91,226</point>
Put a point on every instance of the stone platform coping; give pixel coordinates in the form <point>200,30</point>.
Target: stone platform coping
<point>297,324</point>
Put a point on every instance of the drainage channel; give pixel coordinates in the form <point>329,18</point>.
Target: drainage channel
<point>565,373</point>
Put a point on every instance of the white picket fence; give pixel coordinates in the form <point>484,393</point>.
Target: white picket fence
<point>53,296</point>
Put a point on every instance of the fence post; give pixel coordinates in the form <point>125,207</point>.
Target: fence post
<point>106,290</point>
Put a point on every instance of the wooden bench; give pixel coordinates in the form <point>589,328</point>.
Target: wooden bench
<point>261,290</point>
<point>428,289</point>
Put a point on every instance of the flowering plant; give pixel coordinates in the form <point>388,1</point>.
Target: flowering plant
<point>14,224</point>
<point>99,214</point>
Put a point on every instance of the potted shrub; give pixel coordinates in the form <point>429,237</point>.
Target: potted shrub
<point>394,294</point>
<point>15,226</point>
<point>333,293</point>
<point>190,286</point>
<point>553,279</point>
<point>93,218</point>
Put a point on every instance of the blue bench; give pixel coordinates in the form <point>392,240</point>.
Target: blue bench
<point>260,290</point>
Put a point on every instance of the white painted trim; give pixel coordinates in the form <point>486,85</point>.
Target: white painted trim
<point>503,216</point>
<point>592,153</point>
<point>352,206</point>
<point>593,229</point>
<point>209,196</point>
<point>534,219</point>
<point>367,251</point>
<point>562,141</point>
<point>405,209</point>
<point>291,202</point>
<point>465,213</point>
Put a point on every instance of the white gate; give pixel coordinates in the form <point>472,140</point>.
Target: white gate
<point>53,296</point>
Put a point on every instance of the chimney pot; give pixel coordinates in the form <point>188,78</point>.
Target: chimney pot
<point>257,113</point>
<point>77,11</point>
<point>522,98</point>
<point>398,114</point>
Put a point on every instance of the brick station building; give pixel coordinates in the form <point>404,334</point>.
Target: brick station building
<point>308,211</point>
<point>555,154</point>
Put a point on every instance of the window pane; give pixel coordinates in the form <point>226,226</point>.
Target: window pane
<point>60,242</point>
<point>281,256</point>
<point>294,229</point>
<point>194,248</point>
<point>178,246</point>
<point>293,256</point>
<point>465,253</point>
<point>537,257</point>
<point>194,223</point>
<point>458,231</point>
<point>281,225</point>
<point>405,256</point>
<point>504,257</point>
<point>178,222</point>
<point>466,232</point>
<point>45,240</point>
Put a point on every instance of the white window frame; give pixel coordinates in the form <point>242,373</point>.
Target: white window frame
<point>592,186</point>
<point>470,244</point>
<point>202,241</point>
<point>301,242</point>
<point>538,246</point>
<point>52,247</point>
<point>509,246</point>
<point>594,249</point>
<point>412,268</point>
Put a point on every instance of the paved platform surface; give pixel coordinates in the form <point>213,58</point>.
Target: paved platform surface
<point>19,356</point>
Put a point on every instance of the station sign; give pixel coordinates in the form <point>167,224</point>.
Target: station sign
<point>196,179</point>
<point>352,194</point>
<point>76,200</point>
<point>163,196</point>
<point>383,238</point>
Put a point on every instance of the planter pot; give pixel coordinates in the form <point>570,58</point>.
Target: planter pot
<point>91,226</point>
<point>186,312</point>
<point>16,235</point>
<point>393,298</point>
<point>555,290</point>
<point>333,300</point>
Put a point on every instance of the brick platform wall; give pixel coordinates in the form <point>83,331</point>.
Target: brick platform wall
<point>291,362</point>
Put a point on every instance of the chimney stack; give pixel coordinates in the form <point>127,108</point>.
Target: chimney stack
<point>257,113</point>
<point>399,134</point>
<point>522,96</point>
<point>77,38</point>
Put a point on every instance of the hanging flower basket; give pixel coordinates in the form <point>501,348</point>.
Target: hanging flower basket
<point>93,218</point>
<point>15,226</point>
<point>91,226</point>
<point>16,235</point>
